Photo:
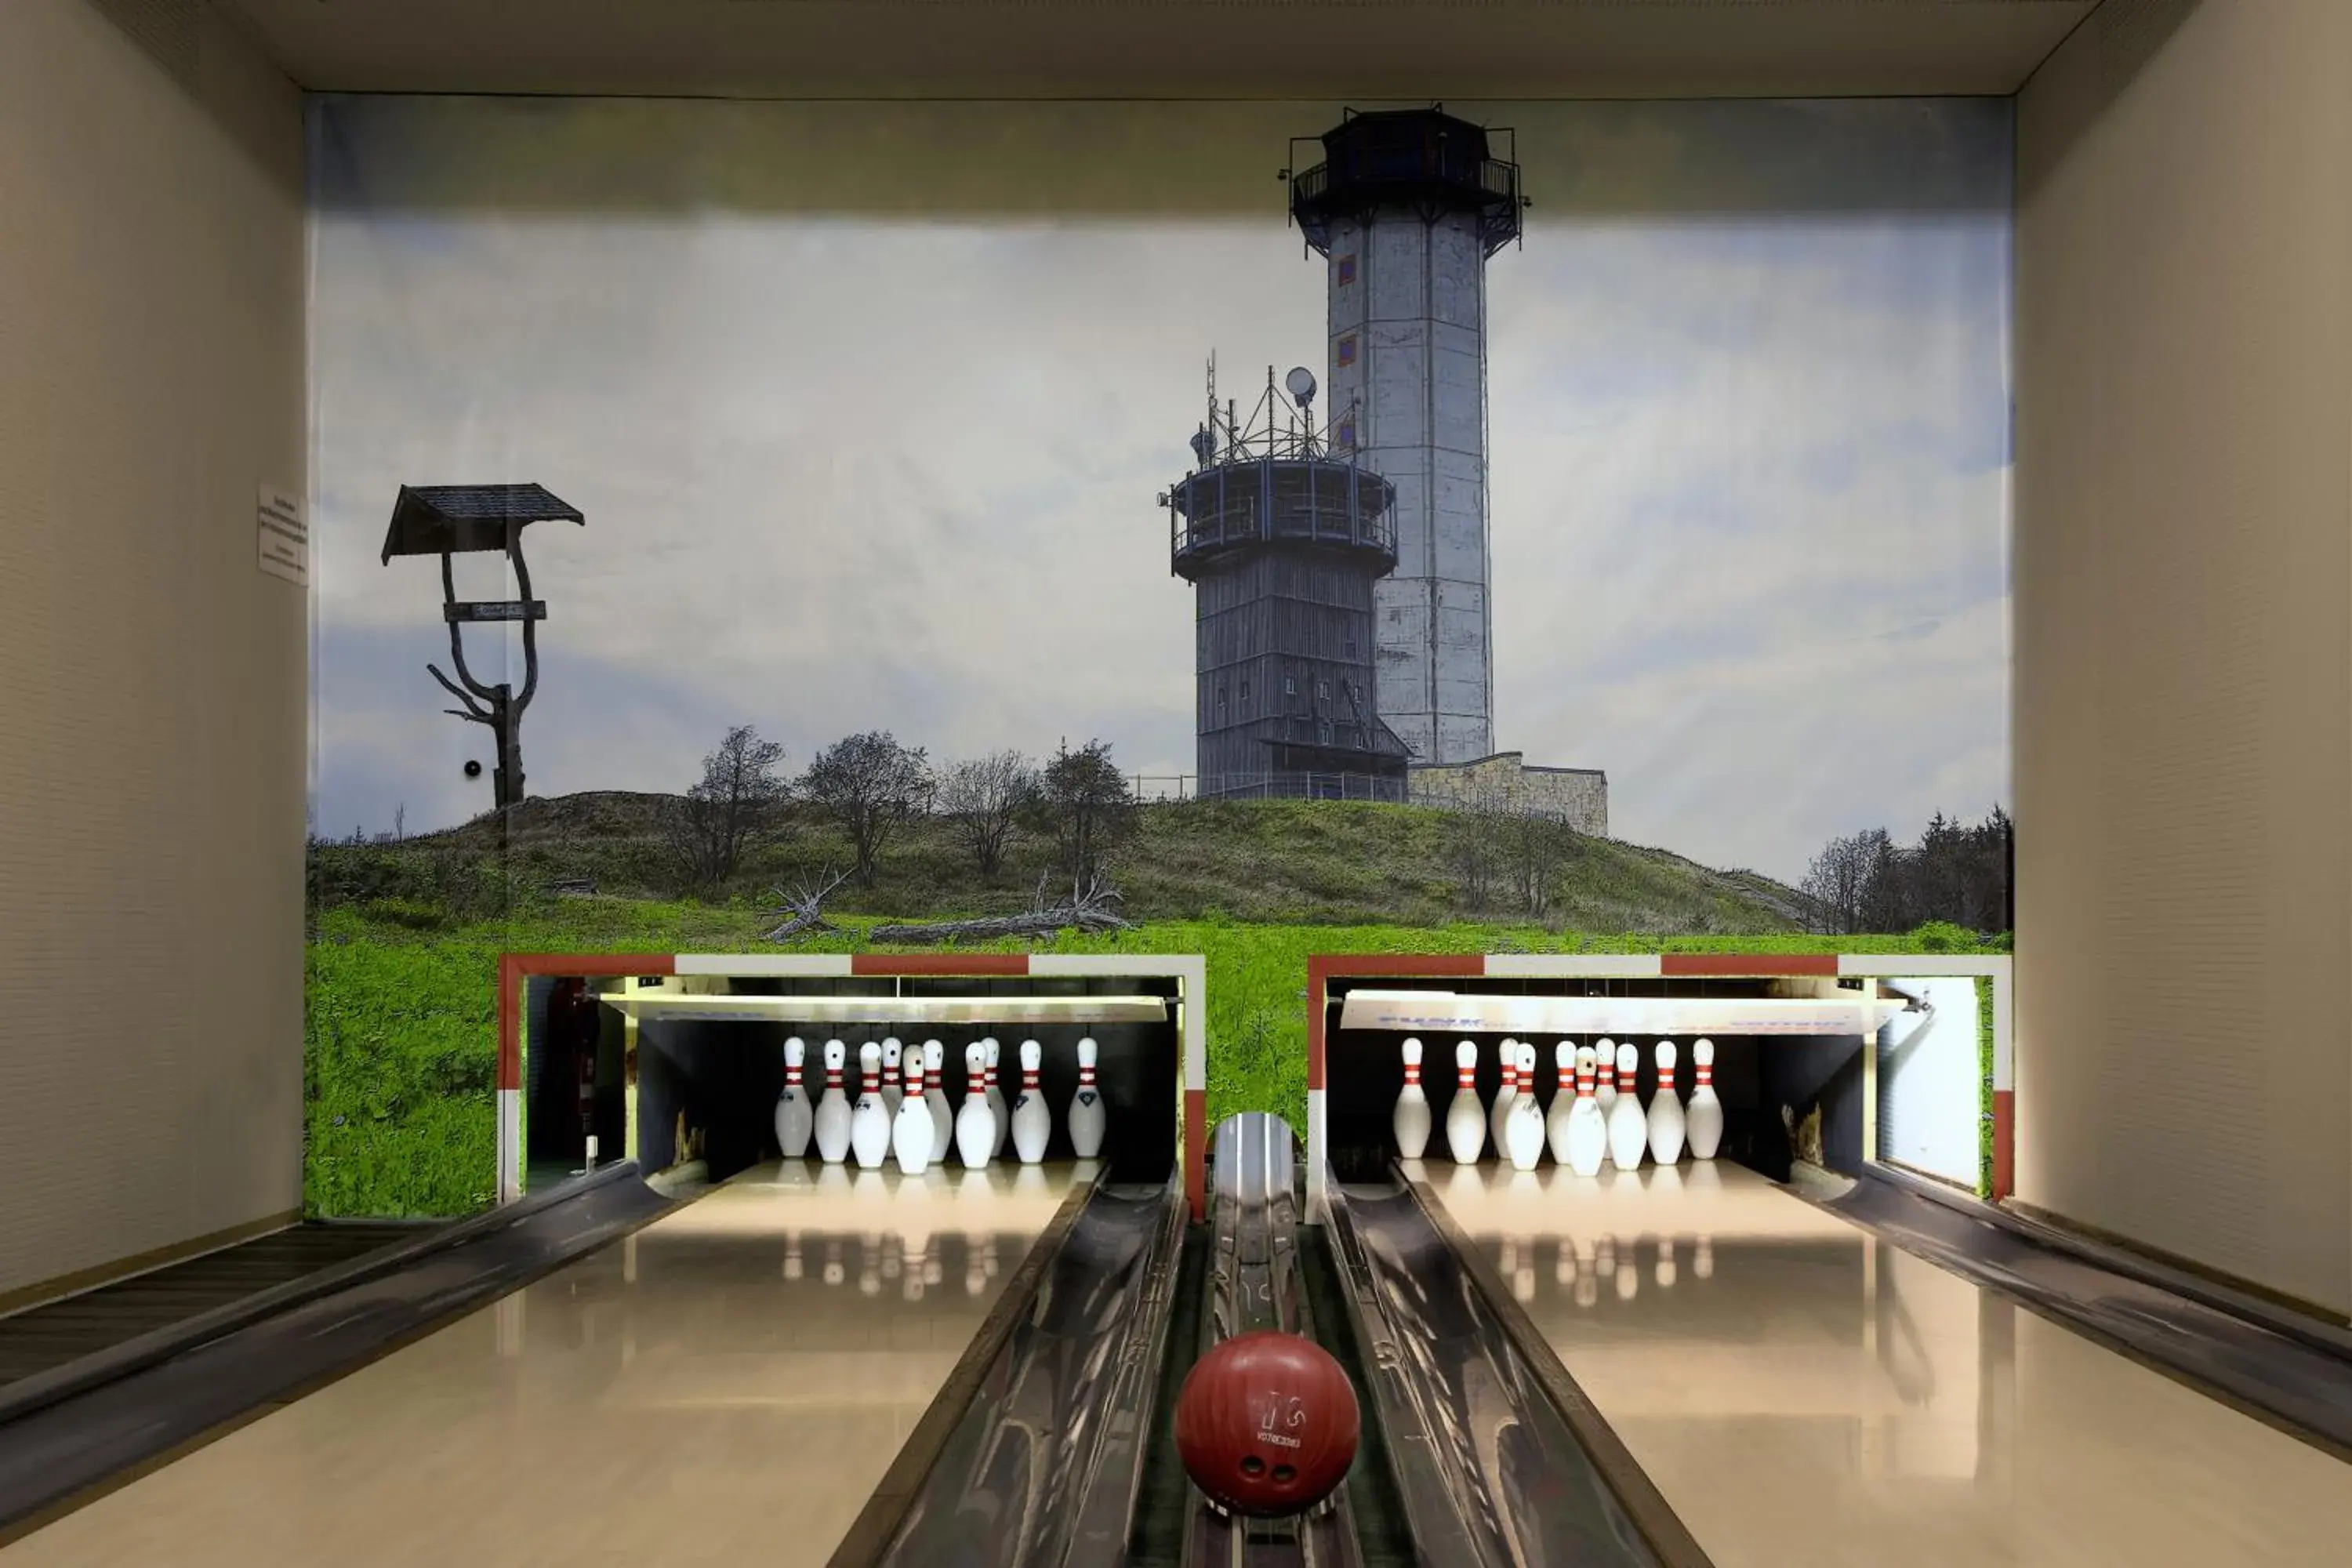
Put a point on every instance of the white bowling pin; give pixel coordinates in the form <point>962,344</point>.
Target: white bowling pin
<point>1411,1120</point>
<point>1466,1119</point>
<point>893,1095</point>
<point>1704,1114</point>
<point>997,1106</point>
<point>935,1098</point>
<point>1501,1110</point>
<point>869,1124</point>
<point>1523,1130</point>
<point>832,1120</point>
<point>1032,1122</point>
<point>1666,1111</point>
<point>1563,1102</point>
<point>975,1127</point>
<point>1087,1115</point>
<point>911,1131</point>
<point>1588,1129</point>
<point>795,1118</point>
<point>1604,1083</point>
<point>1628,1129</point>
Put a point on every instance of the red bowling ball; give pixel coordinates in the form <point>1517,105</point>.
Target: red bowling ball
<point>1266,1424</point>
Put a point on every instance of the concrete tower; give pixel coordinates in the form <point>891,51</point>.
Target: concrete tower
<point>1405,208</point>
<point>1284,540</point>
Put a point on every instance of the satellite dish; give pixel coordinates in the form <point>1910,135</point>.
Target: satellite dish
<point>1301,382</point>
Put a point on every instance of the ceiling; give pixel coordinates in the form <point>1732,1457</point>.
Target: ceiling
<point>1162,48</point>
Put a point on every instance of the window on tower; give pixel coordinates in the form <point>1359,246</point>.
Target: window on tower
<point>1343,271</point>
<point>1346,436</point>
<point>1290,686</point>
<point>1322,691</point>
<point>1345,353</point>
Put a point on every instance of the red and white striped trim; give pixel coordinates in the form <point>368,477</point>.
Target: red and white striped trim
<point>1999,967</point>
<point>1188,969</point>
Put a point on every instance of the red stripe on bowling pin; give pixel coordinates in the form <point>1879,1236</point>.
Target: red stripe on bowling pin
<point>915,1079</point>
<point>1469,1078</point>
<point>791,1075</point>
<point>1568,1074</point>
<point>1705,1073</point>
<point>832,1076</point>
<point>1085,1075</point>
<point>1413,1072</point>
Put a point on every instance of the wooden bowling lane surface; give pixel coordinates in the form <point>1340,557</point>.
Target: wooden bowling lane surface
<point>728,1385</point>
<point>1801,1392</point>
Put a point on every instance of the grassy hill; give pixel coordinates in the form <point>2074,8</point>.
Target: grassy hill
<point>1276,861</point>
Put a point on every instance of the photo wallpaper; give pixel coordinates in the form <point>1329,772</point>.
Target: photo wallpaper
<point>1164,526</point>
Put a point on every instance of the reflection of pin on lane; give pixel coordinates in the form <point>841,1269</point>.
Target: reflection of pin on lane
<point>1665,1260</point>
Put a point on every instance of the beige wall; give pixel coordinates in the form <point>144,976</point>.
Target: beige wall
<point>2184,635</point>
<point>152,710</point>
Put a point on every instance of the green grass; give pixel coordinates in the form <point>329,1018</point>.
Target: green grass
<point>1272,862</point>
<point>401,1041</point>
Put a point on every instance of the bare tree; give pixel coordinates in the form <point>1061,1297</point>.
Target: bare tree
<point>982,798</point>
<point>1538,843</point>
<point>1838,881</point>
<point>1477,842</point>
<point>870,786</point>
<point>1088,805</point>
<point>713,823</point>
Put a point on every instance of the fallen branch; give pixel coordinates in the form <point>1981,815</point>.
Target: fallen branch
<point>805,909</point>
<point>1086,908</point>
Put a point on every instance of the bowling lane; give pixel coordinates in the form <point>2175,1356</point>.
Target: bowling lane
<point>728,1385</point>
<point>1801,1392</point>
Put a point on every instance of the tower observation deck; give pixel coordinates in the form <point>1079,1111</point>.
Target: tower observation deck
<point>1284,540</point>
<point>1405,206</point>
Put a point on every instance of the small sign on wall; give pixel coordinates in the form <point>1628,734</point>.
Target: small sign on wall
<point>284,536</point>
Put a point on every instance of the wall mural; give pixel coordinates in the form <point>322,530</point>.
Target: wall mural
<point>741,525</point>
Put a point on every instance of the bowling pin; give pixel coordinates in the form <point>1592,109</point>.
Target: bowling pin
<point>1411,1120</point>
<point>1588,1129</point>
<point>935,1062</point>
<point>1604,1084</point>
<point>911,1129</point>
<point>1088,1116</point>
<point>975,1124</point>
<point>1628,1129</point>
<point>795,1119</point>
<point>1666,1111</point>
<point>1563,1102</point>
<point>1704,1114</point>
<point>997,1108</point>
<point>869,1124</point>
<point>892,1095</point>
<point>832,1120</point>
<point>1523,1130</point>
<point>1466,1119</point>
<point>1509,1054</point>
<point>1032,1124</point>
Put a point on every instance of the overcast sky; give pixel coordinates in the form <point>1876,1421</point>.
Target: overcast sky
<point>845,466</point>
